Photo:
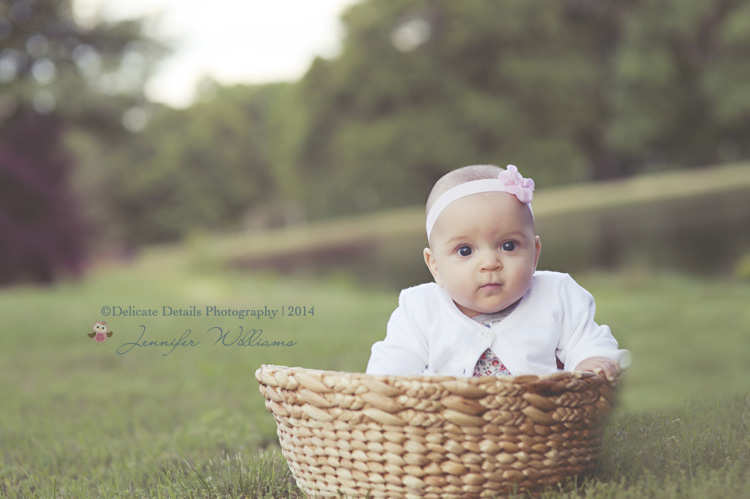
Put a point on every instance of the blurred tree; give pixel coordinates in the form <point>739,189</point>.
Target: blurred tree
<point>570,91</point>
<point>424,86</point>
<point>55,74</point>
<point>41,232</point>
<point>680,91</point>
<point>202,168</point>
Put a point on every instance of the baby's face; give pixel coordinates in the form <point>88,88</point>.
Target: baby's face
<point>484,252</point>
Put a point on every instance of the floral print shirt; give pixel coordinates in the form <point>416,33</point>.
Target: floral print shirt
<point>489,364</point>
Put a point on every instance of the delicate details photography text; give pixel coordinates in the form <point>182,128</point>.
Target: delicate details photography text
<point>209,311</point>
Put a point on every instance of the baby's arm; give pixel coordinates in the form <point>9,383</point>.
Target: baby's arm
<point>404,350</point>
<point>604,366</point>
<point>584,344</point>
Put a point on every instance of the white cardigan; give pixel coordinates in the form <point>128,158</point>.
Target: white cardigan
<point>428,334</point>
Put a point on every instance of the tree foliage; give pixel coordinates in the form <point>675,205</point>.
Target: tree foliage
<point>41,232</point>
<point>203,167</point>
<point>56,75</point>
<point>680,93</point>
<point>573,90</point>
<point>424,86</point>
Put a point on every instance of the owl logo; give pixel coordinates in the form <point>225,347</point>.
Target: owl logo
<point>100,332</point>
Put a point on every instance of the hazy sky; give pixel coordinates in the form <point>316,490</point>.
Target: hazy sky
<point>233,41</point>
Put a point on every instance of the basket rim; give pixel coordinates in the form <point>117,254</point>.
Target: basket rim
<point>472,387</point>
<point>477,380</point>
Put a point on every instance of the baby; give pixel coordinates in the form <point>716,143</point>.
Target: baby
<point>489,311</point>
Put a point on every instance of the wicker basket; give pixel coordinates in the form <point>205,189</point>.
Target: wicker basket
<point>433,436</point>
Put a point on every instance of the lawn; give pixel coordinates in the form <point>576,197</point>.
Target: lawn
<point>185,419</point>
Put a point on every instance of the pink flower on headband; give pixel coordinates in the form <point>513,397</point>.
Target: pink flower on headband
<point>522,188</point>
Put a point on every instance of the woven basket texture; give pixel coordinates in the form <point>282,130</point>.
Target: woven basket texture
<point>360,435</point>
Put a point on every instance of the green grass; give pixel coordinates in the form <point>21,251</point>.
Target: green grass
<point>78,416</point>
<point>688,336</point>
<point>79,420</point>
<point>697,450</point>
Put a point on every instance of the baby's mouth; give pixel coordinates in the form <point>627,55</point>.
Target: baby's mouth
<point>491,286</point>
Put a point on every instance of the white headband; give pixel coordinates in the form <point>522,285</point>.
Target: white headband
<point>509,181</point>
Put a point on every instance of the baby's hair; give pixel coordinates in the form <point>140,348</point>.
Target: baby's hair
<point>460,176</point>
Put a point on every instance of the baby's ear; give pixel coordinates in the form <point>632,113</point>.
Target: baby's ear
<point>429,259</point>
<point>538,245</point>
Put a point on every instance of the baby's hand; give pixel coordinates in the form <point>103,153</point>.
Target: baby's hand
<point>601,365</point>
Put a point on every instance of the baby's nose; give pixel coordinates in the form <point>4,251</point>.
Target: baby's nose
<point>491,261</point>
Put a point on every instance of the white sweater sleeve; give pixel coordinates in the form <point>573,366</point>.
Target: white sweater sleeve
<point>581,336</point>
<point>404,350</point>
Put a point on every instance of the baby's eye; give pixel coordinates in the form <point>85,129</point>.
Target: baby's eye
<point>465,250</point>
<point>509,246</point>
